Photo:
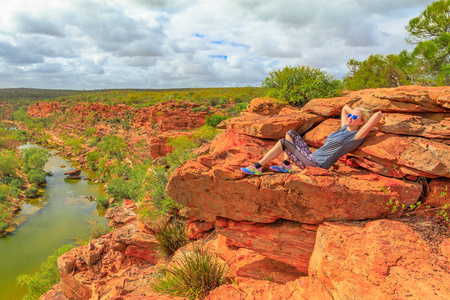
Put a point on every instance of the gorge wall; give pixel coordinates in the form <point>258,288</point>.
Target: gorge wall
<point>342,233</point>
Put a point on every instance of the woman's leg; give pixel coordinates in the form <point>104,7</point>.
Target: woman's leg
<point>276,151</point>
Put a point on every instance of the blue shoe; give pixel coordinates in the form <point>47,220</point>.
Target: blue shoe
<point>282,168</point>
<point>252,170</point>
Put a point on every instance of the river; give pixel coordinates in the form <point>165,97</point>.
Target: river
<point>61,216</point>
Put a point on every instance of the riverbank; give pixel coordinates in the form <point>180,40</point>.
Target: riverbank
<point>61,215</point>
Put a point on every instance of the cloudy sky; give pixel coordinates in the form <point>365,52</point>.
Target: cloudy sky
<point>96,44</point>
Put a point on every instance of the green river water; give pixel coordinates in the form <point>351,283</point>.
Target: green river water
<point>61,216</point>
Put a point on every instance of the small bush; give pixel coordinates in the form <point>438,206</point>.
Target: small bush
<point>298,85</point>
<point>41,281</point>
<point>98,231</point>
<point>102,201</point>
<point>215,119</point>
<point>32,192</point>
<point>193,275</point>
<point>171,237</point>
<point>36,176</point>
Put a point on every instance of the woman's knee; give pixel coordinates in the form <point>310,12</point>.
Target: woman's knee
<point>283,143</point>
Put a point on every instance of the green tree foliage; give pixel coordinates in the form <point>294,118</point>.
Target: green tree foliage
<point>36,176</point>
<point>376,71</point>
<point>427,64</point>
<point>9,163</point>
<point>430,31</point>
<point>34,158</point>
<point>215,119</point>
<point>298,85</point>
<point>92,159</point>
<point>41,281</point>
<point>113,146</point>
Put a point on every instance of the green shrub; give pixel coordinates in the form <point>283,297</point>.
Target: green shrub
<point>17,183</point>
<point>194,275</point>
<point>36,176</point>
<point>215,119</point>
<point>14,192</point>
<point>200,108</point>
<point>3,226</point>
<point>75,145</point>
<point>298,85</point>
<point>92,159</point>
<point>98,231</point>
<point>34,158</point>
<point>90,131</point>
<point>32,192</point>
<point>171,237</point>
<point>8,163</point>
<point>113,146</point>
<point>156,187</point>
<point>102,201</point>
<point>41,281</point>
<point>205,134</point>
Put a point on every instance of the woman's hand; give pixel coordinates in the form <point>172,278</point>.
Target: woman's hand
<point>366,128</point>
<point>345,111</point>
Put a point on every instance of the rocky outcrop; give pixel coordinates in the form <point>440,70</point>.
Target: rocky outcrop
<point>311,234</point>
<point>74,174</point>
<point>285,217</point>
<point>145,129</point>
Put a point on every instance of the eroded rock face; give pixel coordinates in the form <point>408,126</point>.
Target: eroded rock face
<point>389,169</point>
<point>311,196</point>
<point>383,260</point>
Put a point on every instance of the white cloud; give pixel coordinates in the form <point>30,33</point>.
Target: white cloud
<point>93,44</point>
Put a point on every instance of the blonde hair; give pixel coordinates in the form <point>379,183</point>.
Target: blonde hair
<point>365,113</point>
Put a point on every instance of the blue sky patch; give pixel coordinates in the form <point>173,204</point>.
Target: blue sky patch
<point>219,56</point>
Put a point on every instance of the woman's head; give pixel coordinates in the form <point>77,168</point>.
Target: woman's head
<point>358,117</point>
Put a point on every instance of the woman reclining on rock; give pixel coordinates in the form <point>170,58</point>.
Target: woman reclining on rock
<point>355,127</point>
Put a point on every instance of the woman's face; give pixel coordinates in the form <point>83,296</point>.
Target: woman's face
<point>355,122</point>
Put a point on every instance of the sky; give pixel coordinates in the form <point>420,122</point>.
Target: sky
<point>145,44</point>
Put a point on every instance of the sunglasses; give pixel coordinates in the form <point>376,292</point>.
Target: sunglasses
<point>354,117</point>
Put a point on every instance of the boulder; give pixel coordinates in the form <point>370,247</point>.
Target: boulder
<point>383,260</point>
<point>264,106</point>
<point>271,126</point>
<point>312,196</point>
<point>438,193</point>
<point>284,241</point>
<point>243,262</point>
<point>74,174</point>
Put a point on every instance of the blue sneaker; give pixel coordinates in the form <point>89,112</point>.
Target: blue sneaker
<point>252,170</point>
<point>282,168</point>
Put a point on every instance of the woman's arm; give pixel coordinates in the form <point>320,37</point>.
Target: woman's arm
<point>366,128</point>
<point>345,111</point>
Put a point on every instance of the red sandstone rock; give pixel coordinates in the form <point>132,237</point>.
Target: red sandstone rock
<point>249,289</point>
<point>438,192</point>
<point>120,215</point>
<point>265,106</point>
<point>197,229</point>
<point>44,109</point>
<point>271,127</point>
<point>244,262</point>
<point>74,174</point>
<point>445,248</point>
<point>310,196</point>
<point>289,242</point>
<point>431,125</point>
<point>383,260</point>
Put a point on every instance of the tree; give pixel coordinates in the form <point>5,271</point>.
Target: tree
<point>298,85</point>
<point>34,158</point>
<point>8,164</point>
<point>377,71</point>
<point>430,31</point>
